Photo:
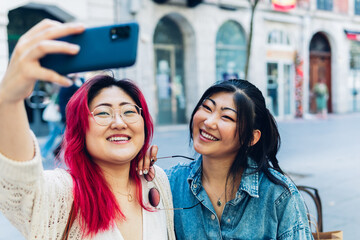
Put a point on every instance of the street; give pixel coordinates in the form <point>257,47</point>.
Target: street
<point>322,153</point>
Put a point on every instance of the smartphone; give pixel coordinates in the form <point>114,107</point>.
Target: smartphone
<point>104,47</point>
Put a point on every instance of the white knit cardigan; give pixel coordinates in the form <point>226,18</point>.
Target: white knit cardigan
<point>38,202</point>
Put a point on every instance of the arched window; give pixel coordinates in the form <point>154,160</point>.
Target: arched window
<point>230,51</point>
<point>170,82</point>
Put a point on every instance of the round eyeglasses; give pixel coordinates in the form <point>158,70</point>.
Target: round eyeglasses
<point>104,115</point>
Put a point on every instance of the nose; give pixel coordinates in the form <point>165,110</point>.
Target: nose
<point>211,121</point>
<point>118,121</point>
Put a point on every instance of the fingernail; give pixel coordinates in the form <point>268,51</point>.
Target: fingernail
<point>140,173</point>
<point>77,25</point>
<point>74,47</point>
<point>146,171</point>
<point>69,82</point>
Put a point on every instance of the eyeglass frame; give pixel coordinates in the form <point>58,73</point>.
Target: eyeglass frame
<point>114,111</point>
<point>151,167</point>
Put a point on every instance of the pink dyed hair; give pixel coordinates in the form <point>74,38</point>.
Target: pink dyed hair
<point>92,196</point>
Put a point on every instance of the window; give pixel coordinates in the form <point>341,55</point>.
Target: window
<point>326,5</point>
<point>230,51</point>
<point>354,78</point>
<point>278,37</point>
<point>357,7</point>
<point>170,82</point>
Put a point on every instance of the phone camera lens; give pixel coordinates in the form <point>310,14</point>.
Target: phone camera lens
<point>122,32</point>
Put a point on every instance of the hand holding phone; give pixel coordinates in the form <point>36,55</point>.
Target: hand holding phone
<point>105,47</point>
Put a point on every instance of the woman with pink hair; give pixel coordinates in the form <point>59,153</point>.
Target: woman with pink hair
<point>108,130</point>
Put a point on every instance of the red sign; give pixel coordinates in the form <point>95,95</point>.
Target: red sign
<point>352,35</point>
<point>283,5</point>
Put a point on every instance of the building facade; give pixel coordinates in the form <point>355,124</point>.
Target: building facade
<point>184,49</point>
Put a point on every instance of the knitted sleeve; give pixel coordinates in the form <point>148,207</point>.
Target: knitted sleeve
<point>162,183</point>
<point>35,201</point>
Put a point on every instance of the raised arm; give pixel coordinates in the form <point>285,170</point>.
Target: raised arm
<point>18,82</point>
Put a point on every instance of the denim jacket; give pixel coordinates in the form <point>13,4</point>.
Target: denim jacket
<point>260,209</point>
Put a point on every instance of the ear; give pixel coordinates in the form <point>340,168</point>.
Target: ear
<point>256,137</point>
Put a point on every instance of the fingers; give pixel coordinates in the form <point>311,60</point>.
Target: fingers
<point>59,31</point>
<point>149,159</point>
<point>44,24</point>
<point>49,29</point>
<point>52,76</point>
<point>154,150</point>
<point>40,41</point>
<point>44,42</point>
<point>24,68</point>
<point>30,61</point>
<point>140,166</point>
<point>152,158</point>
<point>49,46</point>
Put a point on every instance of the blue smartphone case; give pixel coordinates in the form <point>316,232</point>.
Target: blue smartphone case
<point>101,48</point>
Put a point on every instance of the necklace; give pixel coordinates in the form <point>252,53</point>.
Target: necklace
<point>128,195</point>
<point>219,203</point>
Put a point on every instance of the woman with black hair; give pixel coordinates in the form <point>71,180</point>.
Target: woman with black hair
<point>244,194</point>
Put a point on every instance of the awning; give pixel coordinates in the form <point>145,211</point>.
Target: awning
<point>283,5</point>
<point>352,35</point>
<point>54,10</point>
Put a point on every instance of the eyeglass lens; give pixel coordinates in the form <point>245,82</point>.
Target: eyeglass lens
<point>104,115</point>
<point>154,194</point>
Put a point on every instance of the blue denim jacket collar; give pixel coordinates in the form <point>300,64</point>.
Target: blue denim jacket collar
<point>249,181</point>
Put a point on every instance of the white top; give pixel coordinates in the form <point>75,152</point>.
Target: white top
<point>38,202</point>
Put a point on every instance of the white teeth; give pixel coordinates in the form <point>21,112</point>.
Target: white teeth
<point>207,136</point>
<point>113,139</point>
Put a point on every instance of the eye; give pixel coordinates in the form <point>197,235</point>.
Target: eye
<point>206,107</point>
<point>130,112</point>
<point>102,114</point>
<point>229,118</point>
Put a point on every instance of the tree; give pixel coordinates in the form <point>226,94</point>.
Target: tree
<point>253,4</point>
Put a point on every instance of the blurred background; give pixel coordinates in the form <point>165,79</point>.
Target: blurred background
<point>288,48</point>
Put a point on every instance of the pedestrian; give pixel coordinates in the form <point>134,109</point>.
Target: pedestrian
<point>242,191</point>
<point>52,116</point>
<point>108,130</point>
<point>65,93</point>
<point>321,93</point>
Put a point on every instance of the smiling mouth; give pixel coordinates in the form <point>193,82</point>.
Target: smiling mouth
<point>208,136</point>
<point>118,139</point>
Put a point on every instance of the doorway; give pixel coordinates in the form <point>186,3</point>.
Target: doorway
<point>320,69</point>
<point>169,73</point>
<point>279,88</point>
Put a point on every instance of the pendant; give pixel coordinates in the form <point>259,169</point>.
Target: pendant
<point>130,197</point>
<point>219,203</point>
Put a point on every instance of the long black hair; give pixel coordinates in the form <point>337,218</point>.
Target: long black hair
<point>252,114</point>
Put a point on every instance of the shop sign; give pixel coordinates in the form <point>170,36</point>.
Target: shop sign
<point>283,5</point>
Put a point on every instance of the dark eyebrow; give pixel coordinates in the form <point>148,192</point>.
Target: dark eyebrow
<point>210,100</point>
<point>227,108</point>
<point>223,108</point>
